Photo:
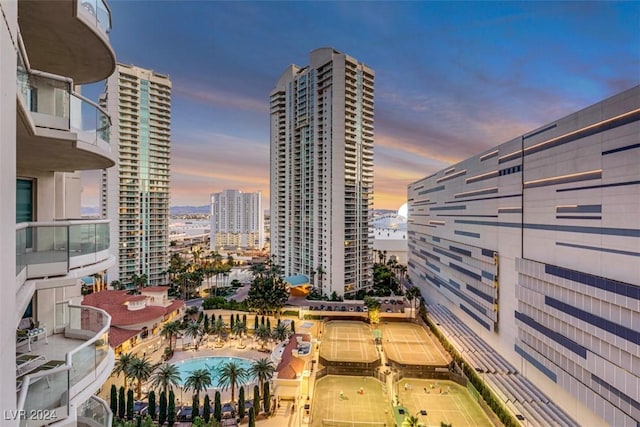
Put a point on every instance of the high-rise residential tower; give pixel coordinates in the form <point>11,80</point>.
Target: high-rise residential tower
<point>138,192</point>
<point>322,171</point>
<point>54,351</point>
<point>237,220</point>
<point>534,247</point>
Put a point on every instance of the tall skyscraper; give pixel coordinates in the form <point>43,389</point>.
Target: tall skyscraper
<point>322,171</point>
<point>237,220</point>
<point>534,245</point>
<point>48,132</point>
<point>138,192</point>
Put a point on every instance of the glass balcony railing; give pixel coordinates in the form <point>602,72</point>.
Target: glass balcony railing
<point>87,360</point>
<point>97,12</point>
<point>52,386</point>
<point>55,248</point>
<point>94,412</point>
<point>53,104</point>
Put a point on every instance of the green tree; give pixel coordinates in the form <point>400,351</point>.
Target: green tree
<point>411,421</point>
<point>194,331</point>
<point>218,328</point>
<point>122,366</point>
<point>140,369</point>
<point>122,403</point>
<point>130,404</point>
<point>256,398</point>
<point>195,406</point>
<point>117,285</point>
<point>252,418</point>
<point>411,294</point>
<point>217,407</point>
<point>199,380</point>
<point>171,330</point>
<point>165,376</point>
<point>268,293</point>
<point>262,370</point>
<point>231,374</point>
<point>263,333</point>
<point>266,398</point>
<point>239,328</point>
<point>162,410</point>
<point>373,305</point>
<point>171,409</point>
<point>206,409</point>
<point>114,399</point>
<point>255,323</point>
<point>241,408</point>
<point>281,332</point>
<point>152,404</point>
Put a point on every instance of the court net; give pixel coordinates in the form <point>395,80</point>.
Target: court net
<point>340,423</point>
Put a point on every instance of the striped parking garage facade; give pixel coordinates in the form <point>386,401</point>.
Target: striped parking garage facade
<point>536,245</point>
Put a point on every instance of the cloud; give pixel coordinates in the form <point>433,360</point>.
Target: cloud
<point>219,98</point>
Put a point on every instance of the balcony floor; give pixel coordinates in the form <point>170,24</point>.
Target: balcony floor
<point>45,395</point>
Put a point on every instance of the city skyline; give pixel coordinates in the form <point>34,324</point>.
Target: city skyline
<point>452,78</point>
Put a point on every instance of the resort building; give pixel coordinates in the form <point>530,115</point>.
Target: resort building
<point>535,246</point>
<point>237,220</point>
<point>137,320</point>
<point>322,171</point>
<point>50,132</point>
<point>137,192</point>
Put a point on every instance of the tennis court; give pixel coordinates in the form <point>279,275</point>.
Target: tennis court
<point>444,401</point>
<point>341,401</point>
<point>410,344</point>
<point>348,341</point>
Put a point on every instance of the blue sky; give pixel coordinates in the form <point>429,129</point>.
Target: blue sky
<point>452,78</point>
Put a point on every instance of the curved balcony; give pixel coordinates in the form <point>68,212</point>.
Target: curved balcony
<point>59,129</point>
<point>78,362</point>
<point>68,37</point>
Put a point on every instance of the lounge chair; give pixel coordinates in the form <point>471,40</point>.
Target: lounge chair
<point>51,364</point>
<point>28,362</point>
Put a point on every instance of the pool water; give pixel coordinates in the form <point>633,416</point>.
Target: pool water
<point>213,364</point>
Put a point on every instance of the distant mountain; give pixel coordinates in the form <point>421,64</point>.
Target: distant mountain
<point>186,210</point>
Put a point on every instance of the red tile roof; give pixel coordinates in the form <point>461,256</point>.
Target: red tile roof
<point>118,335</point>
<point>291,366</point>
<point>115,303</point>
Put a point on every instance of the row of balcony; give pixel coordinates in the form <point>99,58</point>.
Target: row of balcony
<point>83,360</point>
<point>48,249</point>
<point>61,129</point>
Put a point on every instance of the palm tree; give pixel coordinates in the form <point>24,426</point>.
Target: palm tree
<point>231,374</point>
<point>171,330</point>
<point>262,370</point>
<point>218,327</point>
<point>140,369</point>
<point>166,376</point>
<point>411,421</point>
<point>281,332</point>
<point>239,328</point>
<point>194,330</point>
<point>257,270</point>
<point>199,380</point>
<point>122,366</point>
<point>263,334</point>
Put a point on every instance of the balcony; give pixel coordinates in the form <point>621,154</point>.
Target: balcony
<point>68,37</point>
<point>45,249</point>
<point>94,412</point>
<point>84,360</point>
<point>59,129</point>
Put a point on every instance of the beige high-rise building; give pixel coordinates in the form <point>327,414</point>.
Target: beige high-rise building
<point>54,352</point>
<point>322,171</point>
<point>138,191</point>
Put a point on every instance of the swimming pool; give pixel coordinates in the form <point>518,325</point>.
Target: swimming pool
<point>213,364</point>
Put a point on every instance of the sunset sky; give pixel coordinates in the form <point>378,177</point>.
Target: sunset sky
<point>452,78</point>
